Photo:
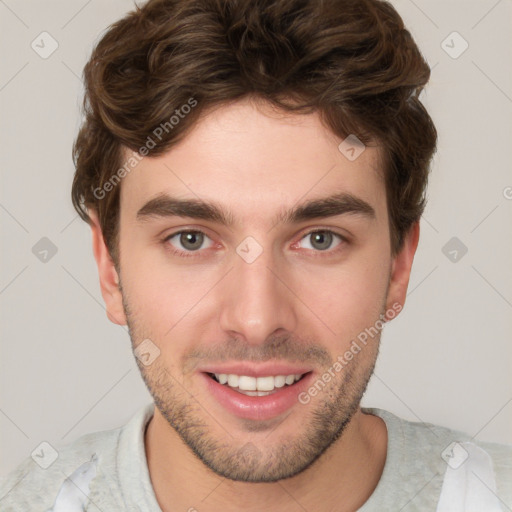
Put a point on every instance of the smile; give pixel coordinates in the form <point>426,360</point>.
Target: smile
<point>266,394</point>
<point>256,386</point>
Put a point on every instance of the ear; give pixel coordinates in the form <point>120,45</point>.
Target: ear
<point>401,269</point>
<point>109,279</point>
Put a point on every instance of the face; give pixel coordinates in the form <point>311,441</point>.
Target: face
<point>255,252</point>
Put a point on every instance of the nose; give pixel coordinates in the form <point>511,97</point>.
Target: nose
<point>256,299</point>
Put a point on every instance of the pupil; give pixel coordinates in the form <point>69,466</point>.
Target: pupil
<point>323,239</point>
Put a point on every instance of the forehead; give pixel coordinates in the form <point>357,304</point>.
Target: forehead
<point>255,160</point>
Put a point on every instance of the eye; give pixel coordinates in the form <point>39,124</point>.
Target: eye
<point>188,241</point>
<point>185,243</point>
<point>322,239</point>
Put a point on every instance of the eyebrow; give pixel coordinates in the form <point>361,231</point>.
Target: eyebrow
<point>163,206</point>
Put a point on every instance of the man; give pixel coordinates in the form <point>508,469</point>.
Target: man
<point>254,174</point>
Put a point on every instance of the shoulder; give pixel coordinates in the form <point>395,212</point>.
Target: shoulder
<point>442,451</point>
<point>54,471</point>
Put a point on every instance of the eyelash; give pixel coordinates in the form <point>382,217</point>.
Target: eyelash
<point>192,254</point>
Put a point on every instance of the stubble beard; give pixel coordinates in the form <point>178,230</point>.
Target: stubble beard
<point>326,418</point>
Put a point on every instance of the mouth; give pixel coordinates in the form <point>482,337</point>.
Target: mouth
<point>257,386</point>
<point>256,394</point>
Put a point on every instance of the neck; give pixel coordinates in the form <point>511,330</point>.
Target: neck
<point>343,478</point>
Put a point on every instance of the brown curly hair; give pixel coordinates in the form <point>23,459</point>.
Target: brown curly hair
<point>352,61</point>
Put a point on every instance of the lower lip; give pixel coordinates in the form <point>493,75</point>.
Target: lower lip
<point>257,407</point>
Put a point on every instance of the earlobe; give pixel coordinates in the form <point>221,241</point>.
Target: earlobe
<point>109,279</point>
<point>401,270</point>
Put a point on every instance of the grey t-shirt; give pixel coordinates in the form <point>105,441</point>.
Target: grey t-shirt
<point>428,468</point>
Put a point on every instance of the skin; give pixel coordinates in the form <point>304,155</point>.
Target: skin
<point>293,298</point>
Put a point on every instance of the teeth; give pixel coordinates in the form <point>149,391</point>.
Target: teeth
<point>263,384</point>
<point>255,385</point>
<point>247,383</point>
<point>279,381</point>
<point>255,393</point>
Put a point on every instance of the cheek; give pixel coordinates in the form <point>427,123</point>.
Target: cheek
<point>162,301</point>
<point>165,300</point>
<point>348,298</point>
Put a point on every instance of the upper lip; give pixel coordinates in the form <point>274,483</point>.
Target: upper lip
<point>255,369</point>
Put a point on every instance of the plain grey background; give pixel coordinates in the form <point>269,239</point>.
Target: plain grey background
<point>66,370</point>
